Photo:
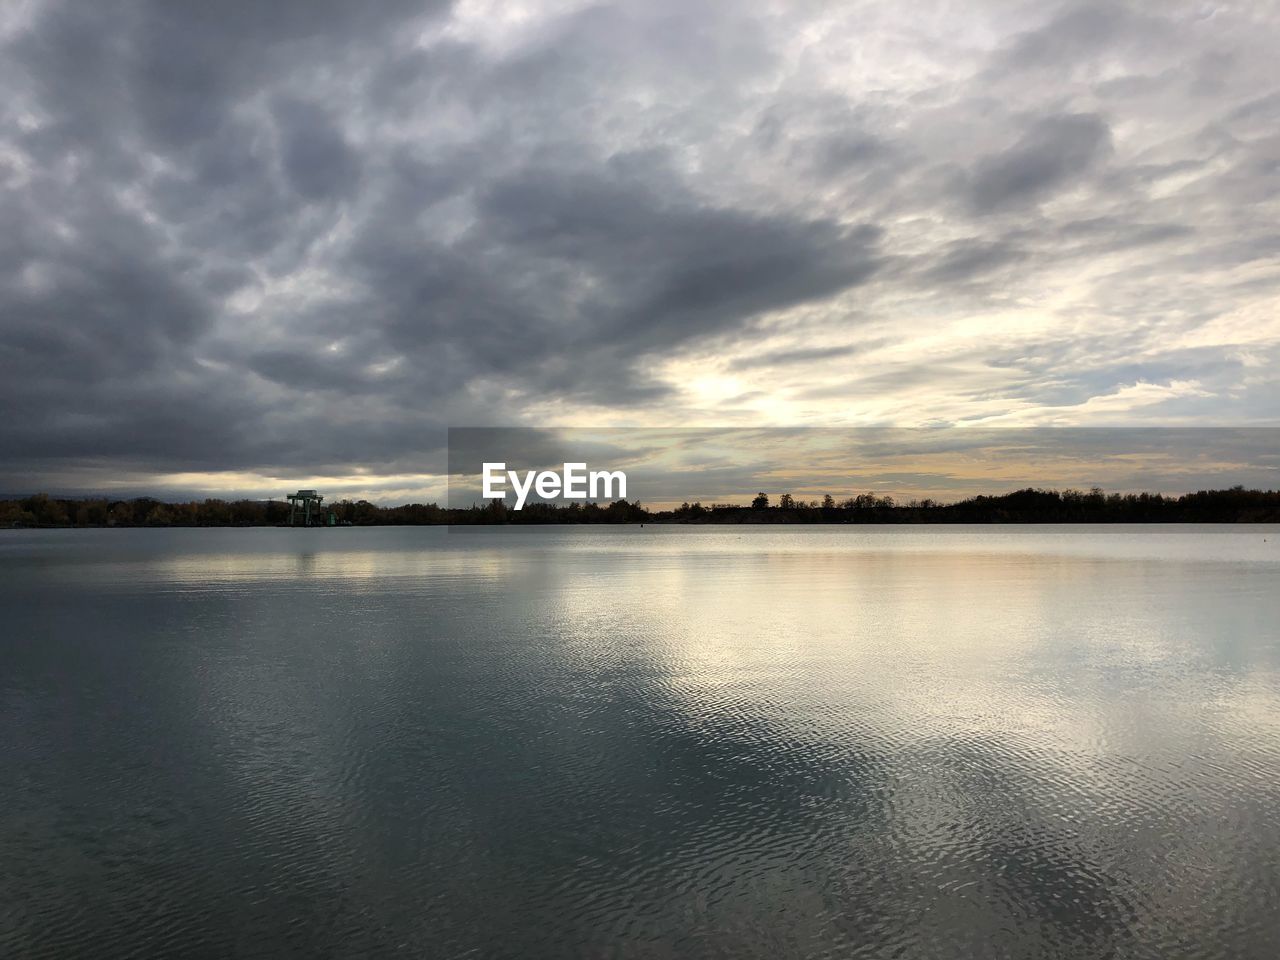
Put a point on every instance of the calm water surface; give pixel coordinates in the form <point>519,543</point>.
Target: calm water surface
<point>640,742</point>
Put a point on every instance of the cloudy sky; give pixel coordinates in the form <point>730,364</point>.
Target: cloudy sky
<point>249,246</point>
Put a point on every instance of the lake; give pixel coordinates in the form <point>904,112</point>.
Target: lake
<point>641,742</point>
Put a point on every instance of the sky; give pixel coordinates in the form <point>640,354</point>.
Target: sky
<point>666,466</point>
<point>249,247</point>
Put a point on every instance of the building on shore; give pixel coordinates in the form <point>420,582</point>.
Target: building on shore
<point>305,510</point>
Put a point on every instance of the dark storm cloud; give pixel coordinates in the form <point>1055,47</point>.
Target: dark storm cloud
<point>802,355</point>
<point>316,157</point>
<point>1054,152</point>
<point>306,235</point>
<point>966,259</point>
<point>564,279</point>
<point>675,269</point>
<point>143,195</point>
<point>1077,32</point>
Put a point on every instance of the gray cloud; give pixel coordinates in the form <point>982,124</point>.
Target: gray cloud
<point>802,355</point>
<point>317,159</point>
<point>1076,33</point>
<point>1054,152</point>
<point>302,237</point>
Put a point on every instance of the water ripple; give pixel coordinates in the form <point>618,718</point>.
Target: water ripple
<point>822,744</point>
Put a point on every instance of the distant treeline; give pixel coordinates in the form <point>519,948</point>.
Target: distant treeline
<point>1236,505</point>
